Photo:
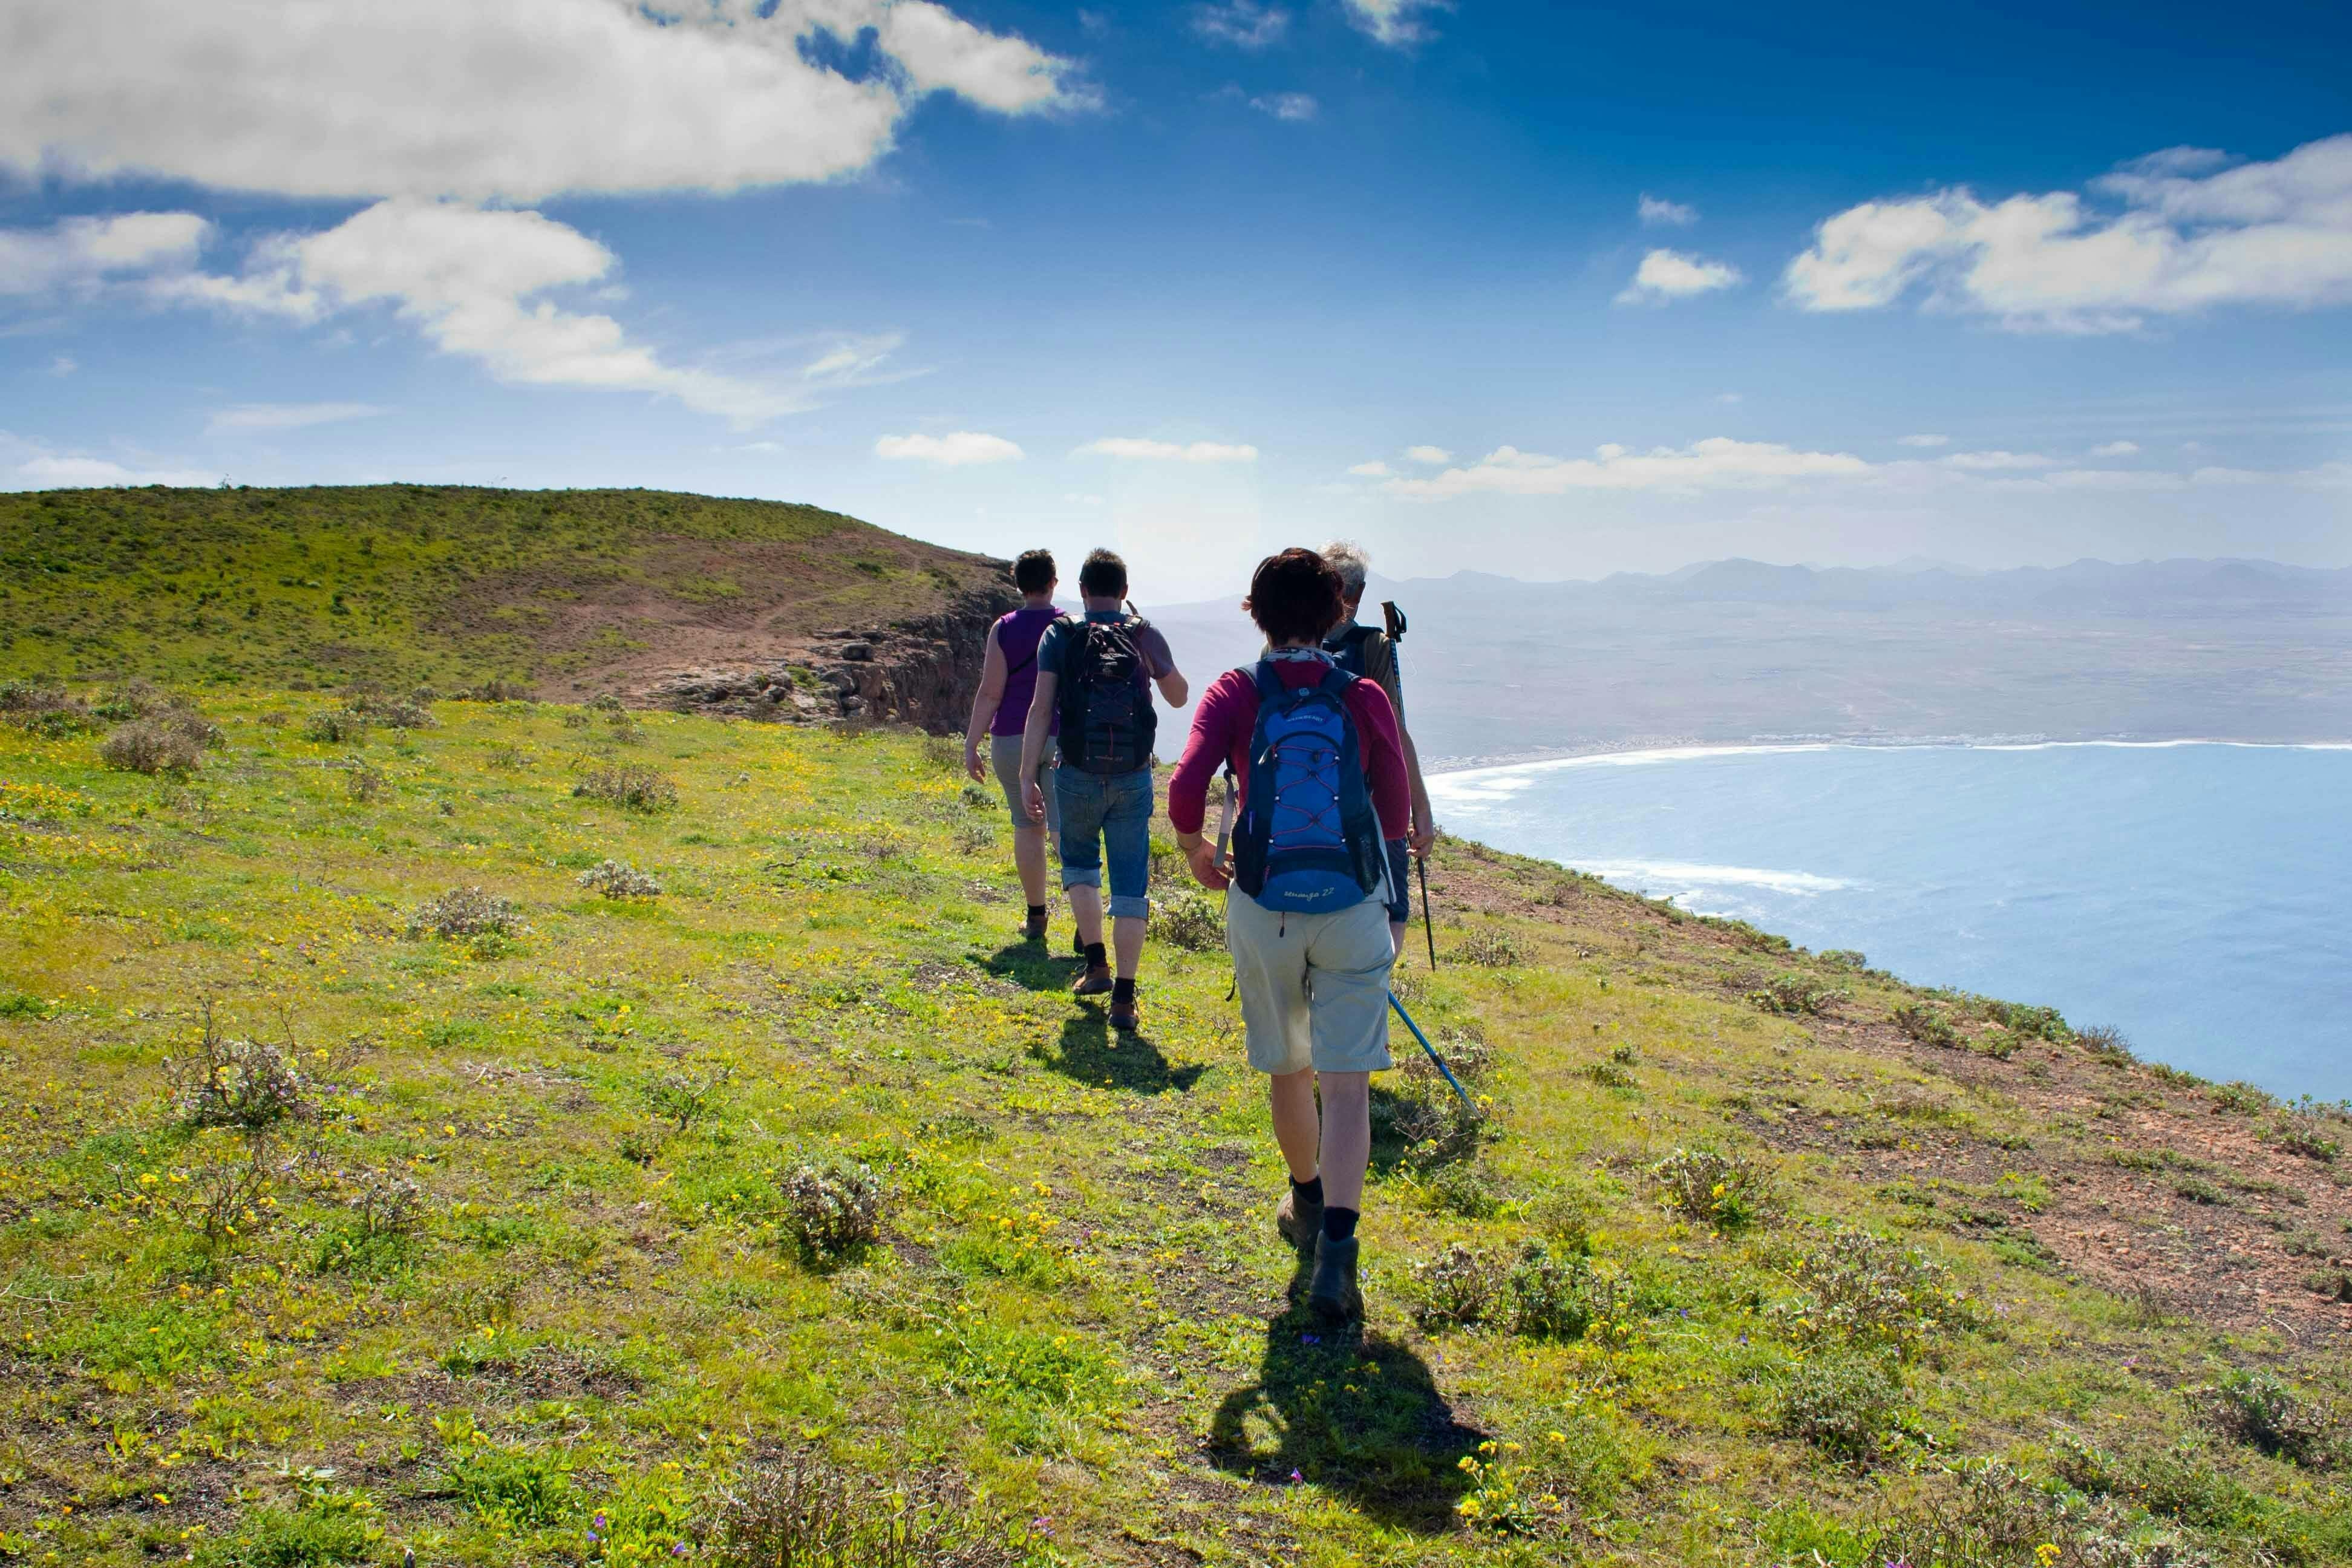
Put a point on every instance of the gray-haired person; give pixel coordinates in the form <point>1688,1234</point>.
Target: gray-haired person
<point>1370,652</point>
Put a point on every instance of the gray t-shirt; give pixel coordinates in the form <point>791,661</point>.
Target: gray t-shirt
<point>1053,647</point>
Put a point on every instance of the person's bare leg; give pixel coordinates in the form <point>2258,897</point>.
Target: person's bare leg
<point>1029,858</point>
<point>1127,943</point>
<point>1086,908</point>
<point>1292,1095</point>
<point>1347,1140</point>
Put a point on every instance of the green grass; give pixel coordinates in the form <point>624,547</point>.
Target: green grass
<point>599,1316</point>
<point>447,585</point>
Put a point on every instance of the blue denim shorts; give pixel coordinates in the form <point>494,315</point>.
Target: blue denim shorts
<point>1107,815</point>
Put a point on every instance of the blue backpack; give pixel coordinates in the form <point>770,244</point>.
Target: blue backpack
<point>1308,841</point>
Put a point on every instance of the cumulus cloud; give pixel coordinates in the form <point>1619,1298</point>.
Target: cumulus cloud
<point>518,100</point>
<point>1431,455</point>
<point>1984,461</point>
<point>1394,22</point>
<point>2179,235</point>
<point>290,415</point>
<point>1372,471</point>
<point>1167,451</point>
<point>64,364</point>
<point>58,471</point>
<point>1657,210</point>
<point>1666,275</point>
<point>2117,450</point>
<point>1244,24</point>
<point>951,451</point>
<point>1923,440</point>
<point>1287,106</point>
<point>79,251</point>
<point>1716,463</point>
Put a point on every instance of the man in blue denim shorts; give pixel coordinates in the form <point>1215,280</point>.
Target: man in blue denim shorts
<point>1093,676</point>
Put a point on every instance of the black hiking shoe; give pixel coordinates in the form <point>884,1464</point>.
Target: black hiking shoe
<point>1125,1016</point>
<point>1094,981</point>
<point>1300,1224</point>
<point>1333,1293</point>
<point>1033,929</point>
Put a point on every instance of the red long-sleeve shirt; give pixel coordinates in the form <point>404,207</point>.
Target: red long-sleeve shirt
<point>1227,717</point>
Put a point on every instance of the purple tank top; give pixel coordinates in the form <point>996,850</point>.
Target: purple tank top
<point>1017,637</point>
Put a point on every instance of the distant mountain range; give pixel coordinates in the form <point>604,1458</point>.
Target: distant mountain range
<point>1738,650</point>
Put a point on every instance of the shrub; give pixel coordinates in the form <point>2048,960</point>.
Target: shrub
<point>630,788</point>
<point>329,1527</point>
<point>246,1085</point>
<point>1558,1296</point>
<point>2242,1099</point>
<point>44,708</point>
<point>1491,947</point>
<point>1722,1188</point>
<point>806,1513</point>
<point>574,719</point>
<point>2261,1410</point>
<point>2105,1042</point>
<point>2180,1481</point>
<point>684,1098</point>
<point>617,880</point>
<point>1463,1187</point>
<point>334,728</point>
<point>1794,993</point>
<point>1928,1026</point>
<point>363,784</point>
<point>1848,1406</point>
<point>2299,1134</point>
<point>834,1209</point>
<point>1845,958</point>
<point>517,1487</point>
<point>465,911</point>
<point>2041,1023</point>
<point>1456,1288</point>
<point>1866,1291</point>
<point>1190,920</point>
<point>154,746</point>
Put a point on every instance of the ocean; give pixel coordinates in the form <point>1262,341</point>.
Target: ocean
<point>2196,895</point>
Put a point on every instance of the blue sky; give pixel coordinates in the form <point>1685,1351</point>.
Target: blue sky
<point>1534,289</point>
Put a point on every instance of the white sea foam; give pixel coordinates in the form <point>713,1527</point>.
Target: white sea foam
<point>1687,875</point>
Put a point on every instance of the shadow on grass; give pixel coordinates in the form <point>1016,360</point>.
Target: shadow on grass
<point>1032,965</point>
<point>1092,1052</point>
<point>1354,1413</point>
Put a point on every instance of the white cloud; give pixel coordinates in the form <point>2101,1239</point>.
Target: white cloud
<point>64,364</point>
<point>1923,440</point>
<point>288,416</point>
<point>1986,461</point>
<point>1729,397</point>
<point>2187,238</point>
<point>1666,275</point>
<point>1167,451</point>
<point>517,100</point>
<point>1394,22</point>
<point>1244,24</point>
<point>1658,210</point>
<point>950,451</point>
<point>50,472</point>
<point>1716,463</point>
<point>77,252</point>
<point>2117,450</point>
<point>1287,106</point>
<point>1373,470</point>
<point>1433,455</point>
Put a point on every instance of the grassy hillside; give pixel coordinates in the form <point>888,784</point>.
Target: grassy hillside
<point>548,1240</point>
<point>445,584</point>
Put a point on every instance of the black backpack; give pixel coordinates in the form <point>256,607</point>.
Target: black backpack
<point>1346,646</point>
<point>1108,724</point>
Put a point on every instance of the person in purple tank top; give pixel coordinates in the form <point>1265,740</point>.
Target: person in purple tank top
<point>1008,678</point>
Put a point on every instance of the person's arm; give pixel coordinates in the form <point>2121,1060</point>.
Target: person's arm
<point>1424,822</point>
<point>983,705</point>
<point>1207,748</point>
<point>1033,742</point>
<point>1384,767</point>
<point>1174,690</point>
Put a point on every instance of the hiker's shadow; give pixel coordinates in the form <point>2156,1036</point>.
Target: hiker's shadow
<point>1032,965</point>
<point>1351,1412</point>
<point>1092,1053</point>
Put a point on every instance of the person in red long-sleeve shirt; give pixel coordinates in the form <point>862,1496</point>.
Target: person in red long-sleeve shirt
<point>1314,988</point>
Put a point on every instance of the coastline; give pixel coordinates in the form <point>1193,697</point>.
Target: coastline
<point>1679,748</point>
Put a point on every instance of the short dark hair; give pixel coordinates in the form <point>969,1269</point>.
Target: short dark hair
<point>1294,595</point>
<point>1033,571</point>
<point>1104,575</point>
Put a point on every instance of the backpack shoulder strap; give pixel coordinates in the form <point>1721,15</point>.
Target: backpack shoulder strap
<point>1032,658</point>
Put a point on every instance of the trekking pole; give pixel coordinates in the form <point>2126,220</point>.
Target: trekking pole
<point>1428,922</point>
<point>1467,1103</point>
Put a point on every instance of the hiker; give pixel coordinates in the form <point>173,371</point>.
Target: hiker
<point>1093,681</point>
<point>1371,652</point>
<point>1321,776</point>
<point>1000,708</point>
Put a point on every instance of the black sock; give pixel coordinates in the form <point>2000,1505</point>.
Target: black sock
<point>1094,955</point>
<point>1036,910</point>
<point>1309,1191</point>
<point>1339,1225</point>
<point>1122,991</point>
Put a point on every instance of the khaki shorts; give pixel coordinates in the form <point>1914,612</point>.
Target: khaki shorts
<point>1314,988</point>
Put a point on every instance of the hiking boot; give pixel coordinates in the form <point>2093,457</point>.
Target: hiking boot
<point>1301,1224</point>
<point>1033,928</point>
<point>1125,1016</point>
<point>1094,981</point>
<point>1332,1292</point>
